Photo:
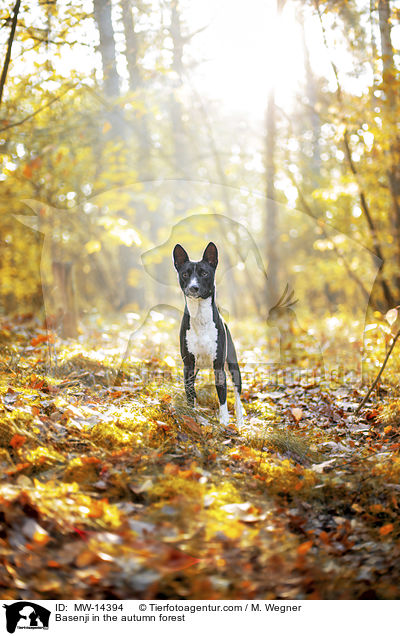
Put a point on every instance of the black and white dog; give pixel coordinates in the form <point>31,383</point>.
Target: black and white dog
<point>204,337</point>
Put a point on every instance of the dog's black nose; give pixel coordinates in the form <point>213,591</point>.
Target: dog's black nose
<point>194,289</point>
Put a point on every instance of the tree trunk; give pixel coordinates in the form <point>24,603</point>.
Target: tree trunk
<point>141,131</point>
<point>313,118</point>
<point>103,19</point>
<point>132,44</point>
<point>390,88</point>
<point>386,45</point>
<point>271,219</point>
<point>181,154</point>
<point>102,16</point>
<point>65,298</point>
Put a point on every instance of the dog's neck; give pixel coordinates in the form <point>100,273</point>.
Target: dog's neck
<point>200,309</point>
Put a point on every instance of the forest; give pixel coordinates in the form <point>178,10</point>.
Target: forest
<point>272,129</point>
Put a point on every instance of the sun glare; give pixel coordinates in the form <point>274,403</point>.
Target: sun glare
<point>247,53</point>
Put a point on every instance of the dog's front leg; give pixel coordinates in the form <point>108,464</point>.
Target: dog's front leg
<point>188,377</point>
<point>220,383</point>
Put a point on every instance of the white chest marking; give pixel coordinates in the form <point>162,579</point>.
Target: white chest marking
<point>201,338</point>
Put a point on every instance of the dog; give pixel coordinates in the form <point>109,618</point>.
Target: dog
<point>205,340</point>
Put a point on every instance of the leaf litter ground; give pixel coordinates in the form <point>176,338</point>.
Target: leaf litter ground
<point>112,487</point>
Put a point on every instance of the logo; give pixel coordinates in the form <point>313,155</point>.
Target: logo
<point>26,615</point>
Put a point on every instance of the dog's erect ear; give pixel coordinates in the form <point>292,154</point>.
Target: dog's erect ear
<point>211,255</point>
<point>180,256</point>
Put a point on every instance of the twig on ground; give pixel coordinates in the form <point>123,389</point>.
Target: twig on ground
<point>358,409</point>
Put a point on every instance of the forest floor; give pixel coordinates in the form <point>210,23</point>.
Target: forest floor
<point>112,488</point>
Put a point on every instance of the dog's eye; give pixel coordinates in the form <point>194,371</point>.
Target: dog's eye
<point>185,275</point>
<point>204,273</point>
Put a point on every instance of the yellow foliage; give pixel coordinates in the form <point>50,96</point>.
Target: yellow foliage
<point>389,413</point>
<point>93,246</point>
<point>111,436</point>
<point>178,490</point>
<point>15,423</point>
<point>283,477</point>
<point>7,431</point>
<point>82,472</point>
<point>43,458</point>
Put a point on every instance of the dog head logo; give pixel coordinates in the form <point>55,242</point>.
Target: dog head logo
<point>26,615</point>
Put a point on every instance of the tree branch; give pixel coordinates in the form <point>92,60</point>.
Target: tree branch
<point>307,209</point>
<point>9,46</point>
<point>359,407</point>
<point>22,121</point>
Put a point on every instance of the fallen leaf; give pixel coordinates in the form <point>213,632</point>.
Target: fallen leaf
<point>303,548</point>
<point>192,424</point>
<point>176,560</point>
<point>17,441</point>
<point>297,414</point>
<point>386,529</point>
<point>33,531</point>
<point>44,337</point>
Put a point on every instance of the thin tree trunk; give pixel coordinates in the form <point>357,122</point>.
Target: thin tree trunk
<point>141,129</point>
<point>135,79</point>
<point>132,45</point>
<point>103,19</point>
<point>390,90</point>
<point>374,52</point>
<point>9,47</point>
<point>315,120</point>
<point>271,221</point>
<point>65,293</point>
<point>181,151</point>
<point>386,46</point>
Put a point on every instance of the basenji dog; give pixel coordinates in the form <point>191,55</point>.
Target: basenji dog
<point>204,337</point>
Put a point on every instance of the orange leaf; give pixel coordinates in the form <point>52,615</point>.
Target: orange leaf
<point>192,424</point>
<point>386,529</point>
<point>36,383</point>
<point>171,469</point>
<point>324,536</point>
<point>90,460</point>
<point>304,548</point>
<point>177,560</point>
<point>17,441</point>
<point>96,509</point>
<point>85,558</point>
<point>387,429</point>
<point>44,337</point>
<point>30,167</point>
<point>18,468</point>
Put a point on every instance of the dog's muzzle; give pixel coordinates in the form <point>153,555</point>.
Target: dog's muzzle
<point>192,292</point>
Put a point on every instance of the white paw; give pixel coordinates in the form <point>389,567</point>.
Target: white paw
<point>223,415</point>
<point>239,418</point>
<point>238,410</point>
